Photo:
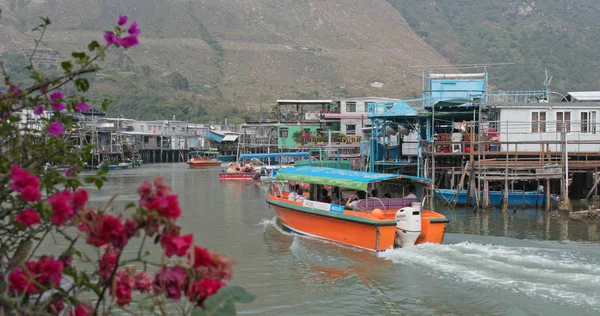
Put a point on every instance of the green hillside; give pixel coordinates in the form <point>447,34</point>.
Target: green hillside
<point>563,35</point>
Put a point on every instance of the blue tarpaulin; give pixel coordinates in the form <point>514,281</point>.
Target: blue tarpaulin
<point>275,155</point>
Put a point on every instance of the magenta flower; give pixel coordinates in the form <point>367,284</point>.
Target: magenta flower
<point>128,41</point>
<point>133,29</point>
<point>56,96</point>
<point>56,128</point>
<point>13,90</point>
<point>82,107</point>
<point>28,217</point>
<point>110,38</point>
<point>44,90</point>
<point>122,20</point>
<point>39,110</point>
<point>58,106</point>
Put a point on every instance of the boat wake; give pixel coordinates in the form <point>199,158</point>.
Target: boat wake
<point>563,275</point>
<point>272,224</point>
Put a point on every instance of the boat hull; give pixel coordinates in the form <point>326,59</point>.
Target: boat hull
<point>237,176</point>
<point>120,167</point>
<point>204,164</point>
<point>351,228</point>
<point>496,197</point>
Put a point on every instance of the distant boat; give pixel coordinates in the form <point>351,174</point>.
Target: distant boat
<point>203,159</point>
<point>496,197</point>
<point>121,165</point>
<point>226,158</point>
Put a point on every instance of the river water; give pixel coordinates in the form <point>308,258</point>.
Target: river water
<point>527,263</point>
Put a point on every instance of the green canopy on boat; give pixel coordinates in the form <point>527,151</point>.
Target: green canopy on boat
<point>349,179</point>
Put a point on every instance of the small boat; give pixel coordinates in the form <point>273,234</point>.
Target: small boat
<point>374,224</point>
<point>121,165</point>
<point>239,172</point>
<point>496,197</point>
<point>203,159</point>
<point>267,164</point>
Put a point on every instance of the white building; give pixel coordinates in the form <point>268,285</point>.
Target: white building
<point>535,122</point>
<point>352,114</point>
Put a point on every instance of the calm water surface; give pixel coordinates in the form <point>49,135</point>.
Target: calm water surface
<point>529,263</point>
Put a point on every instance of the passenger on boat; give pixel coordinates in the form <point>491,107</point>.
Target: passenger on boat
<point>299,195</point>
<point>292,196</point>
<point>325,196</point>
<point>374,193</point>
<point>387,195</point>
<point>353,200</point>
<point>336,197</point>
<point>411,192</point>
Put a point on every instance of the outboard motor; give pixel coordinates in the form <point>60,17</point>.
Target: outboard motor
<point>408,225</point>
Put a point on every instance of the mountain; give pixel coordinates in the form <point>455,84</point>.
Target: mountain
<point>207,59</point>
<point>562,35</point>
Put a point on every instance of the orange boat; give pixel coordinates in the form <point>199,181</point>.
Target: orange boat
<point>200,159</point>
<point>374,224</point>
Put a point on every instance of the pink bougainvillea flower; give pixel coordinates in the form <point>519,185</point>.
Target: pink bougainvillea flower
<point>28,217</point>
<point>220,268</point>
<point>201,289</point>
<point>44,90</point>
<point>201,258</point>
<point>80,197</point>
<point>122,20</point>
<point>107,262</point>
<point>83,309</point>
<point>59,106</point>
<point>56,96</point>
<point>56,128</point>
<point>25,183</point>
<point>106,230</point>
<point>110,38</point>
<point>13,90</point>
<point>143,282</point>
<point>172,281</point>
<point>133,29</point>
<point>62,208</point>
<point>82,107</point>
<point>128,41</point>
<point>176,245</point>
<point>167,207</point>
<point>124,285</point>
<point>46,272</point>
<point>39,110</point>
<point>56,307</point>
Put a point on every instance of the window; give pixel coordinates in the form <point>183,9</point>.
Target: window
<point>538,122</point>
<point>350,106</point>
<point>350,129</point>
<point>283,132</point>
<point>563,120</point>
<point>588,122</point>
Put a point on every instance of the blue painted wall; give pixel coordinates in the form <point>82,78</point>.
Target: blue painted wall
<point>468,89</point>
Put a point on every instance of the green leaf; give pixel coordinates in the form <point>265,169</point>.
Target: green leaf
<point>82,84</point>
<point>90,179</point>
<point>46,20</point>
<point>78,55</point>
<point>67,65</point>
<point>223,303</point>
<point>106,103</point>
<point>93,45</point>
<point>130,205</point>
<point>99,183</point>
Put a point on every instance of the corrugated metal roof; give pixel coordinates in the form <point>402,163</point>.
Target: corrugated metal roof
<point>585,95</point>
<point>230,138</point>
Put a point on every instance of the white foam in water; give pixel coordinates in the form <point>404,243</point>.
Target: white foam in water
<point>272,223</point>
<point>560,275</point>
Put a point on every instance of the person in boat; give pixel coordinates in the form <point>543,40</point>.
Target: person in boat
<point>336,197</point>
<point>299,195</point>
<point>293,193</point>
<point>387,195</point>
<point>374,193</point>
<point>353,200</point>
<point>411,192</point>
<point>325,196</point>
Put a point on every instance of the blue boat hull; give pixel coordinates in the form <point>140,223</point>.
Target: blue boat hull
<point>496,197</point>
